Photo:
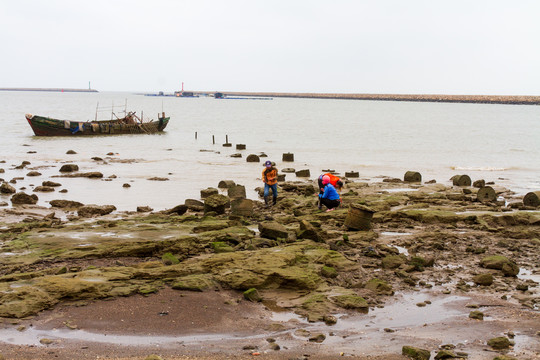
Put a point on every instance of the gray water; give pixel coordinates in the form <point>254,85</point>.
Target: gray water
<point>493,142</point>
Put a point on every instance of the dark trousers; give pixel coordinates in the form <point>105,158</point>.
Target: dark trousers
<point>330,203</point>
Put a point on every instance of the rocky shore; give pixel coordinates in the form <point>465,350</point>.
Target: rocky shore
<point>434,270</point>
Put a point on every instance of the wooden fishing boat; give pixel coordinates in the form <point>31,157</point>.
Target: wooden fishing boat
<point>129,124</point>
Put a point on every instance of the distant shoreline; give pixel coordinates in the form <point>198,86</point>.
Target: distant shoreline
<point>478,99</point>
<point>49,89</point>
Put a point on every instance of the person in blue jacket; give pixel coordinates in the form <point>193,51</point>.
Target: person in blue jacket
<point>330,196</point>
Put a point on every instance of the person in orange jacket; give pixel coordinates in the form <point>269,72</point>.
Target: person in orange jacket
<point>269,177</point>
<point>334,180</point>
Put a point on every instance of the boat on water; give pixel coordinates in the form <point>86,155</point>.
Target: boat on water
<point>129,124</point>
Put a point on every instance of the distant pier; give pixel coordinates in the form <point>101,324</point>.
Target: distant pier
<point>477,99</point>
<point>50,90</point>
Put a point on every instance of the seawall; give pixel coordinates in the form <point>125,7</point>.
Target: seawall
<point>480,99</point>
<point>48,89</point>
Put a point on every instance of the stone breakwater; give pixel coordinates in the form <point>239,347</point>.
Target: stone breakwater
<point>436,238</point>
<point>480,99</point>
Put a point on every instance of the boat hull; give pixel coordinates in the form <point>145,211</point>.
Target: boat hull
<point>44,126</point>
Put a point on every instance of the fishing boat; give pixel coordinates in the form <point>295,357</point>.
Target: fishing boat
<point>129,124</point>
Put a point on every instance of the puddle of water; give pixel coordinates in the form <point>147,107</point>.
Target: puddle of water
<point>32,336</point>
<point>14,254</point>
<point>392,233</point>
<point>398,190</point>
<point>526,274</point>
<point>404,313</point>
<point>401,250</point>
<point>254,228</point>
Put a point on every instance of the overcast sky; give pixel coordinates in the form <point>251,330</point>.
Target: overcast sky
<point>356,46</point>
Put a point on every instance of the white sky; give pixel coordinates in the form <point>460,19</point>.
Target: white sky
<point>356,46</point>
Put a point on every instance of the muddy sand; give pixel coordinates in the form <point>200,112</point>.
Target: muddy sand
<point>437,270</point>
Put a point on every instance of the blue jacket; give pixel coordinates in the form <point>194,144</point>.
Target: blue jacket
<point>330,193</point>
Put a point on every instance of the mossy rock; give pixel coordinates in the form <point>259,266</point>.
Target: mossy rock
<point>475,314</point>
<point>445,354</point>
<point>351,302</point>
<point>379,286</point>
<point>329,272</point>
<point>169,259</point>
<point>196,282</point>
<point>499,343</point>
<point>415,353</point>
<point>483,279</point>
<point>393,261</point>
<point>221,247</point>
<point>499,262</point>
<point>252,295</point>
<point>315,307</point>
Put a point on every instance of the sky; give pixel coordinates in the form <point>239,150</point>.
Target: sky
<point>379,46</point>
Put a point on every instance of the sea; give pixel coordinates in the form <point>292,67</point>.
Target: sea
<point>378,139</point>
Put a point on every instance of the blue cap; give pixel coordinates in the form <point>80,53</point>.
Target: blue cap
<point>268,163</point>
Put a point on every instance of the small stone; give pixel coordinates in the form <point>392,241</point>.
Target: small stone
<point>71,152</point>
<point>126,185</point>
<point>478,315</point>
<point>318,338</point>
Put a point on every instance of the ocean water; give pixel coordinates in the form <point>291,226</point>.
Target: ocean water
<point>498,143</point>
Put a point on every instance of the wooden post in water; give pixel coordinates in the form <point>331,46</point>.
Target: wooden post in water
<point>195,135</point>
<point>213,140</point>
<point>226,139</point>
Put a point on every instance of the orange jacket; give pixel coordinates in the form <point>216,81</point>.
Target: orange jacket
<point>269,176</point>
<point>333,178</point>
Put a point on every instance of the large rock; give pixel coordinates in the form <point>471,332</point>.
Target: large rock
<point>253,158</point>
<point>50,183</point>
<point>177,210</point>
<point>43,189</point>
<point>194,205</point>
<point>23,198</point>
<point>273,230</point>
<point>379,286</point>
<point>65,204</point>
<point>237,191</point>
<point>34,173</point>
<point>415,353</point>
<point>532,199</point>
<point>499,262</point>
<point>5,188</point>
<point>483,279</point>
<point>95,210</point>
<point>299,188</point>
<point>412,176</point>
<point>242,207</point>
<point>461,180</point>
<point>303,173</point>
<point>499,343</point>
<point>359,217</point>
<point>216,203</point>
<point>208,192</point>
<point>225,184</point>
<point>69,168</point>
<point>308,231</point>
<point>91,175</point>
